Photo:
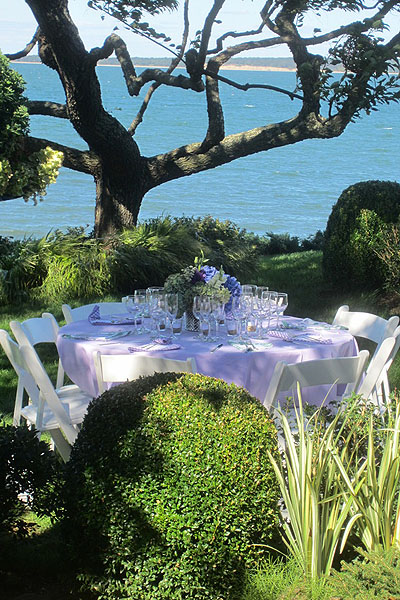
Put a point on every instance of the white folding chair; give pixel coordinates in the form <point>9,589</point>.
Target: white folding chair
<point>82,312</point>
<point>117,368</point>
<point>370,386</point>
<point>25,380</point>
<point>382,387</point>
<point>39,330</point>
<point>60,411</point>
<point>326,371</point>
<point>366,325</point>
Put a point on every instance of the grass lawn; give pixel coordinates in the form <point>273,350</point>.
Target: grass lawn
<point>37,564</point>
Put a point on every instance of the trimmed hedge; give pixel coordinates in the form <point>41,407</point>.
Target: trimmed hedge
<point>169,491</point>
<point>355,232</point>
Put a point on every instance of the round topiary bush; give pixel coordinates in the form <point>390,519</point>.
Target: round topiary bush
<point>169,491</point>
<point>356,230</point>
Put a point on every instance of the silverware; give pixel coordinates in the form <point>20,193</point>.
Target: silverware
<point>216,348</point>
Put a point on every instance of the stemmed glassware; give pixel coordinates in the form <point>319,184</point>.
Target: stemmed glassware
<point>171,307</point>
<point>133,308</point>
<point>202,312</point>
<point>241,309</point>
<point>218,313</point>
<point>157,311</point>
<point>281,305</point>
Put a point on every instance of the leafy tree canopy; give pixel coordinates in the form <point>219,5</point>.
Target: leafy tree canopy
<point>20,175</point>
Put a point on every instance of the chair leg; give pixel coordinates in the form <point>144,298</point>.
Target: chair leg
<point>61,444</point>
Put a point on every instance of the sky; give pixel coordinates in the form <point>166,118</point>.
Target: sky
<point>17,25</point>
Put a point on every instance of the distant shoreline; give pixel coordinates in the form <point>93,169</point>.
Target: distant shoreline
<point>223,68</point>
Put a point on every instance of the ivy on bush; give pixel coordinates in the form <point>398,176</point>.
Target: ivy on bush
<point>170,487</point>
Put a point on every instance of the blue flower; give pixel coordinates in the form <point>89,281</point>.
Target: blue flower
<point>235,289</point>
<point>208,272</point>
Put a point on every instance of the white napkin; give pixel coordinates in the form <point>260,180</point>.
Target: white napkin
<point>158,344</point>
<point>95,319</point>
<point>107,335</point>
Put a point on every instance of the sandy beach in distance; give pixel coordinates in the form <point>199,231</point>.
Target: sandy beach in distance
<point>139,66</point>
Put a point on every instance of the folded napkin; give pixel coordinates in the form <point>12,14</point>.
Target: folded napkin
<point>107,335</point>
<point>95,319</point>
<point>287,325</point>
<point>321,325</point>
<point>158,344</point>
<point>299,338</point>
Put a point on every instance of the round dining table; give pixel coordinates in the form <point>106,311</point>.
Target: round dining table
<point>248,364</point>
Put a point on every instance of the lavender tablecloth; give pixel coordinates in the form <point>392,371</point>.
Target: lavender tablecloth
<point>251,370</point>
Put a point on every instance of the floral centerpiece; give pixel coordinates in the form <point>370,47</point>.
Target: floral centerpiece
<point>203,281</point>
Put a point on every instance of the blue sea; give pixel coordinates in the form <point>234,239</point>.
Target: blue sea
<point>290,189</point>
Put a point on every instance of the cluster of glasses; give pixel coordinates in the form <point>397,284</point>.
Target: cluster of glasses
<point>154,311</point>
<point>255,312</point>
<point>210,314</point>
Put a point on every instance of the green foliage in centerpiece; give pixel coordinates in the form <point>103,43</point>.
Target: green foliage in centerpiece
<point>201,281</point>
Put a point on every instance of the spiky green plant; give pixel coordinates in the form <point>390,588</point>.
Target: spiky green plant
<point>374,487</point>
<point>309,479</point>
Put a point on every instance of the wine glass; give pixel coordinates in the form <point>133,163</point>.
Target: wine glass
<point>157,310</point>
<point>133,309</point>
<point>249,288</point>
<point>241,309</point>
<point>273,300</point>
<point>281,305</point>
<point>141,304</point>
<point>171,307</point>
<point>218,313</point>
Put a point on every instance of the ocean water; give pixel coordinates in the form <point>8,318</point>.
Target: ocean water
<point>290,189</point>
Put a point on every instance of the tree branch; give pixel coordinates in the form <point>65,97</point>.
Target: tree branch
<point>27,49</point>
<point>114,43</point>
<point>51,109</point>
<point>77,160</point>
<point>189,159</point>
<point>174,63</point>
<point>165,78</point>
<point>248,86</point>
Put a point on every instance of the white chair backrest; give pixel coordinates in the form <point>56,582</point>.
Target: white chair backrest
<point>38,330</point>
<point>25,379</point>
<point>366,325</point>
<point>327,371</point>
<point>82,312</point>
<point>376,368</point>
<point>48,394</point>
<point>117,368</point>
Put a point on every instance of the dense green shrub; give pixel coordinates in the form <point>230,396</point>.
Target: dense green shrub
<point>375,575</point>
<point>355,233</point>
<point>26,466</point>
<point>169,490</point>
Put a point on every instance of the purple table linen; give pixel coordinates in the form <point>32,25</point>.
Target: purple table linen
<point>251,370</point>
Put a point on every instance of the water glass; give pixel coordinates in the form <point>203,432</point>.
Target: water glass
<point>249,288</point>
<point>231,327</point>
<point>177,327</point>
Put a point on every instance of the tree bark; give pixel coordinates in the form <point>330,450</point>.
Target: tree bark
<point>119,173</point>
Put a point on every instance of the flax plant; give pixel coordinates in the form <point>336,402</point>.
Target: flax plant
<point>313,498</point>
<point>374,488</point>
